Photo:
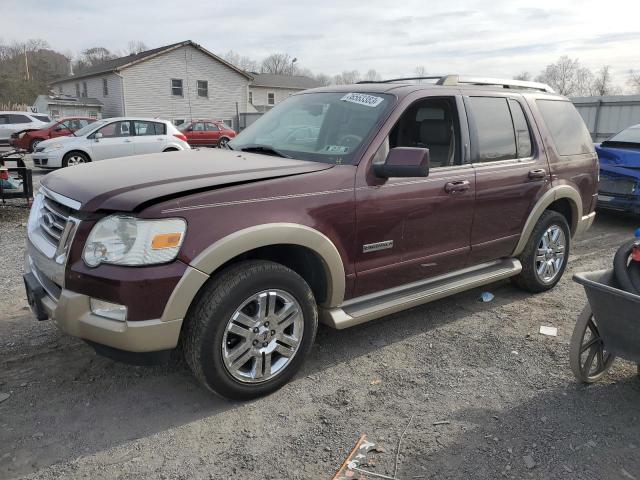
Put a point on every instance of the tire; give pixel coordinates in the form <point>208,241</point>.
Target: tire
<point>603,359</point>
<point>210,338</point>
<point>222,143</point>
<point>530,278</point>
<point>626,274</point>
<point>34,143</point>
<point>74,158</point>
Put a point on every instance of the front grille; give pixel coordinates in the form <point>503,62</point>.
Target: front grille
<point>53,220</point>
<point>618,186</point>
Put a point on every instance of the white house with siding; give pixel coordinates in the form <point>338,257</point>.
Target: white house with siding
<point>176,82</point>
<point>268,89</point>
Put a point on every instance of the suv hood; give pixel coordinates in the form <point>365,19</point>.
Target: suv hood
<point>122,184</point>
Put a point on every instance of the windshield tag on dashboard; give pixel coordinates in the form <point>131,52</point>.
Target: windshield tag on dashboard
<point>363,99</point>
<point>336,149</point>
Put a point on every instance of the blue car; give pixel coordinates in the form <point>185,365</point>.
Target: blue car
<point>620,171</point>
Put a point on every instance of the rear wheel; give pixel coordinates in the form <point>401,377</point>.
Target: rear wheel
<point>74,158</point>
<point>545,255</point>
<point>588,357</point>
<point>250,329</point>
<point>170,150</point>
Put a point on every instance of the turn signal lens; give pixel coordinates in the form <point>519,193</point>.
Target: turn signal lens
<point>166,240</point>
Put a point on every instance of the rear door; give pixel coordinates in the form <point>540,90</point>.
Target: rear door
<point>116,141</point>
<point>212,133</point>
<point>150,137</point>
<point>511,169</point>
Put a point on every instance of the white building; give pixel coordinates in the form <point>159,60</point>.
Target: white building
<point>268,89</point>
<point>57,106</point>
<point>177,82</point>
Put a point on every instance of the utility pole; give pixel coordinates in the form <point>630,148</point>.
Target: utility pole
<point>26,62</point>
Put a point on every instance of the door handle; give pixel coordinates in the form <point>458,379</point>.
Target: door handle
<point>458,186</point>
<point>537,174</point>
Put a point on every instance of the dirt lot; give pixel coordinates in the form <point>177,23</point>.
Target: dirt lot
<point>505,391</point>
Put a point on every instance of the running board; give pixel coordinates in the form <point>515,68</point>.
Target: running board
<point>369,307</point>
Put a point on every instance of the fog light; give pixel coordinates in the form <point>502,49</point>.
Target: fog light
<point>108,309</point>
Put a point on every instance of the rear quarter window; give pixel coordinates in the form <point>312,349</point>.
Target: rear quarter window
<point>569,133</point>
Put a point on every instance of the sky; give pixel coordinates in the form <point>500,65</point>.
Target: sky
<point>474,37</point>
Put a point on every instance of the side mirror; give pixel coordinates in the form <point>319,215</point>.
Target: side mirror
<point>97,136</point>
<point>404,162</point>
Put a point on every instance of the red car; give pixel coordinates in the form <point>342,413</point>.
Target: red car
<point>28,139</point>
<point>207,133</point>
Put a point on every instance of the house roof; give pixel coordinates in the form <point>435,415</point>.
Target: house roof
<point>67,100</point>
<point>121,63</point>
<point>294,82</point>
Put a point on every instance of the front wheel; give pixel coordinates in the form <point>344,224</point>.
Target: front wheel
<point>34,144</point>
<point>588,356</point>
<point>250,329</point>
<point>222,143</point>
<point>74,158</point>
<point>545,255</point>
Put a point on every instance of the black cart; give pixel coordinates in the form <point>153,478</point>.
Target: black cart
<point>21,172</point>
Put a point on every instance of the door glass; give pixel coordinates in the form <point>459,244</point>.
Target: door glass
<point>13,118</point>
<point>570,135</point>
<point>144,128</point>
<point>210,127</point>
<point>198,127</point>
<point>523,136</point>
<point>432,124</point>
<point>492,128</point>
<point>115,129</point>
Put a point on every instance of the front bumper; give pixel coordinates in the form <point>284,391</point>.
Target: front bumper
<point>47,159</point>
<point>72,313</point>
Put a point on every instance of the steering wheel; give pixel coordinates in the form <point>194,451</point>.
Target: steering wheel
<point>349,140</point>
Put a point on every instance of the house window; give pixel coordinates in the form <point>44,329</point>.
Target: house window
<point>203,88</point>
<point>178,121</point>
<point>271,98</point>
<point>78,90</point>
<point>105,87</point>
<point>93,114</point>
<point>84,89</point>
<point>176,87</point>
<point>251,98</point>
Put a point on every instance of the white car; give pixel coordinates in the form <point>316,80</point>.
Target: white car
<point>11,122</point>
<point>110,138</point>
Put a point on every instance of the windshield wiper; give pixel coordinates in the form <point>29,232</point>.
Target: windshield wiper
<point>265,149</point>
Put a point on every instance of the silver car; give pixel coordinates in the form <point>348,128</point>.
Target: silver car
<point>110,138</point>
<point>11,122</point>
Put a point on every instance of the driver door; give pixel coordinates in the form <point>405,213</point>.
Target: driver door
<point>115,142</point>
<point>410,229</point>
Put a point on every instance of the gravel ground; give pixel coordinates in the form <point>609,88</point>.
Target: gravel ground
<point>512,406</point>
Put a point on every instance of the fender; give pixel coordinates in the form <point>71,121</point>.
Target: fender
<point>550,196</point>
<point>242,241</point>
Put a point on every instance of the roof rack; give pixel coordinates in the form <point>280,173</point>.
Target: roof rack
<point>453,80</point>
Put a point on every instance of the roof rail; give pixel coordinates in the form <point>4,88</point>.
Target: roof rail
<point>454,80</point>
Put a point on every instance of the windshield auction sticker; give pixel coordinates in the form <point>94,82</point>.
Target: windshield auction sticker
<point>363,99</point>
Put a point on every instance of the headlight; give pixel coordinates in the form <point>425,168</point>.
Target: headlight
<point>124,240</point>
<point>55,146</point>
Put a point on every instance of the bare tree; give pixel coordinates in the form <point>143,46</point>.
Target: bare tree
<point>347,77</point>
<point>420,71</point>
<point>242,62</point>
<point>323,79</point>
<point>136,46</point>
<point>634,81</point>
<point>90,57</point>
<point>525,76</point>
<point>372,76</point>
<point>603,83</point>
<point>279,63</point>
<point>567,77</point>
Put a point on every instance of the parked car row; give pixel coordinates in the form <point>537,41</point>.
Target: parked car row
<point>11,122</point>
<point>29,138</point>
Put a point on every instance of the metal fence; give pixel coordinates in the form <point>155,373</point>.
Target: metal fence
<point>606,116</point>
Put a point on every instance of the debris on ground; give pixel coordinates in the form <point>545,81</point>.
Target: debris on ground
<point>4,396</point>
<point>357,458</point>
<point>529,461</point>
<point>550,331</point>
<point>442,422</point>
<point>486,297</point>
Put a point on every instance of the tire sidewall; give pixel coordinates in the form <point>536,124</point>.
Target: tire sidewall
<point>214,371</point>
<point>65,160</point>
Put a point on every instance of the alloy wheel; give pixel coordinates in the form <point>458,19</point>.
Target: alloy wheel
<point>262,336</point>
<point>75,160</point>
<point>550,254</point>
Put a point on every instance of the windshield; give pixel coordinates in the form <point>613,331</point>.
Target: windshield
<point>323,127</point>
<point>630,135</point>
<point>89,128</point>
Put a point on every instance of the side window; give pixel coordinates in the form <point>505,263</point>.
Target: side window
<point>198,127</point>
<point>13,118</point>
<point>144,128</point>
<point>115,130</point>
<point>3,120</point>
<point>210,127</point>
<point>432,124</point>
<point>569,133</point>
<point>160,128</point>
<point>271,98</point>
<point>82,123</point>
<point>523,135</point>
<point>492,130</point>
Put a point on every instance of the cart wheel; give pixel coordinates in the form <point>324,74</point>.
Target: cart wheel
<point>588,356</point>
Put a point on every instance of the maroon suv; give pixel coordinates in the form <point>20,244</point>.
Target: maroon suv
<point>341,205</point>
